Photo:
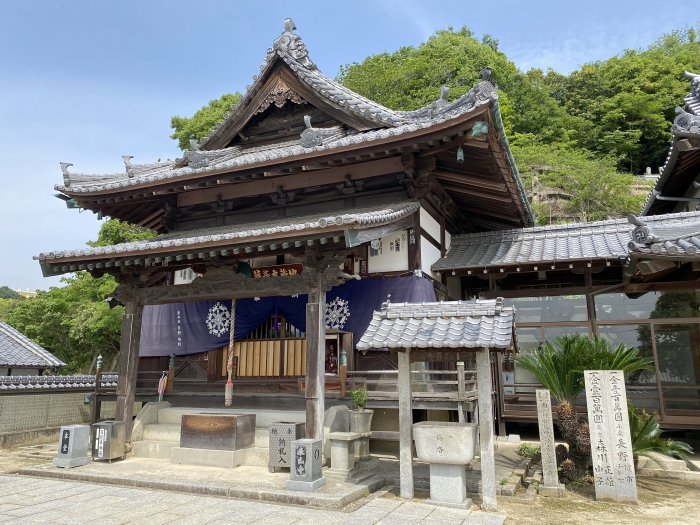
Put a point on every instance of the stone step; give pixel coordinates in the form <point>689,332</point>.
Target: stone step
<point>263,418</point>
<point>661,462</point>
<point>162,432</point>
<point>171,432</point>
<point>153,449</point>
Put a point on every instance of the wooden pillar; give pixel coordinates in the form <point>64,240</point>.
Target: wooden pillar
<point>405,425</point>
<point>486,438</point>
<point>590,301</point>
<point>460,392</point>
<point>96,400</point>
<point>129,363</point>
<point>315,359</point>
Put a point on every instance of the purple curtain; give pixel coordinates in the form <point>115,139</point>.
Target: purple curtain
<point>190,328</point>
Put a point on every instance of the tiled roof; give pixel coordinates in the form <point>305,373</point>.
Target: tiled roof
<point>237,156</point>
<point>685,125</point>
<point>368,216</point>
<point>17,350</point>
<point>546,244</point>
<point>451,324</point>
<point>679,240</point>
<point>57,383</point>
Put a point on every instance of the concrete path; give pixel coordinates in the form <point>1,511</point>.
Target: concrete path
<point>26,500</point>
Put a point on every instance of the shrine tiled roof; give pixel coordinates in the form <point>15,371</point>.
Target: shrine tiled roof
<point>259,233</point>
<point>17,350</point>
<point>234,157</point>
<point>578,242</point>
<point>676,240</point>
<point>442,325</point>
<point>674,177</point>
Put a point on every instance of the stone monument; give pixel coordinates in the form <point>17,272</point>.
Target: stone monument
<point>611,444</point>
<point>73,443</point>
<point>281,435</point>
<point>551,485</point>
<point>305,472</point>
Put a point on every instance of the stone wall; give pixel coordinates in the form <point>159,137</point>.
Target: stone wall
<point>26,412</point>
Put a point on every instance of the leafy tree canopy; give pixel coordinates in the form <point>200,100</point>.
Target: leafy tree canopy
<point>625,104</point>
<point>595,189</point>
<point>204,120</point>
<point>115,231</point>
<point>8,293</point>
<point>73,321</point>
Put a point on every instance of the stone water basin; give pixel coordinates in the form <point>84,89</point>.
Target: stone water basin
<point>445,442</point>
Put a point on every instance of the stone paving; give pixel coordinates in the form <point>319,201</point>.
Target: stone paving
<point>26,500</point>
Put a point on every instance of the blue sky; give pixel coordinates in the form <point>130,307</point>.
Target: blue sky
<point>87,81</point>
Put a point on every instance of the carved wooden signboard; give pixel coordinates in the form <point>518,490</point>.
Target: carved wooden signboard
<point>611,445</point>
<point>280,270</point>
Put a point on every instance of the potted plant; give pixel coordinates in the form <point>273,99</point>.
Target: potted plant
<point>360,417</point>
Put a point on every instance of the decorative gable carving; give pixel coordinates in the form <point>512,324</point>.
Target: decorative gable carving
<point>279,95</point>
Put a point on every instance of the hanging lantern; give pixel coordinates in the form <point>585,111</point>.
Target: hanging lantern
<point>460,155</point>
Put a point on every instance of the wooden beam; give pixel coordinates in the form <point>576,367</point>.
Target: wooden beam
<point>319,177</point>
<point>470,180</point>
<point>504,198</point>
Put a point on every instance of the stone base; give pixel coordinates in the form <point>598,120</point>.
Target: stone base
<point>556,491</point>
<point>448,484</point>
<point>365,468</point>
<point>68,463</point>
<point>207,457</point>
<point>617,499</point>
<point>306,486</point>
<point>464,505</point>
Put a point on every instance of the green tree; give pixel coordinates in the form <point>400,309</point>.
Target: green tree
<point>595,188</point>
<point>115,231</point>
<point>8,293</point>
<point>204,120</point>
<point>73,321</point>
<point>624,105</point>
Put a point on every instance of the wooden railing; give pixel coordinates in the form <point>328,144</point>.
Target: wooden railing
<point>427,385</point>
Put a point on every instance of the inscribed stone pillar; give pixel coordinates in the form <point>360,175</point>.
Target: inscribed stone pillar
<point>315,359</point>
<point>305,471</point>
<point>128,364</point>
<point>611,444</point>
<point>486,441</point>
<point>405,425</point>
<point>551,485</point>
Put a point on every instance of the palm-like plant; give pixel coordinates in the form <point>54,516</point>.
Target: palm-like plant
<point>559,367</point>
<point>646,438</point>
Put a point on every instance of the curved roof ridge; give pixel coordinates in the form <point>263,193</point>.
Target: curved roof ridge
<point>16,349</point>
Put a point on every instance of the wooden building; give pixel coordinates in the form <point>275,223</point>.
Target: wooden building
<point>303,174</point>
<point>631,280</point>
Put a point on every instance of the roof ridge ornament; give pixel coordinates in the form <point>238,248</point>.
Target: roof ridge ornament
<point>127,164</point>
<point>685,122</point>
<point>695,82</point>
<point>291,44</point>
<point>66,175</point>
<point>438,105</point>
<point>642,234</point>
<point>312,137</point>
